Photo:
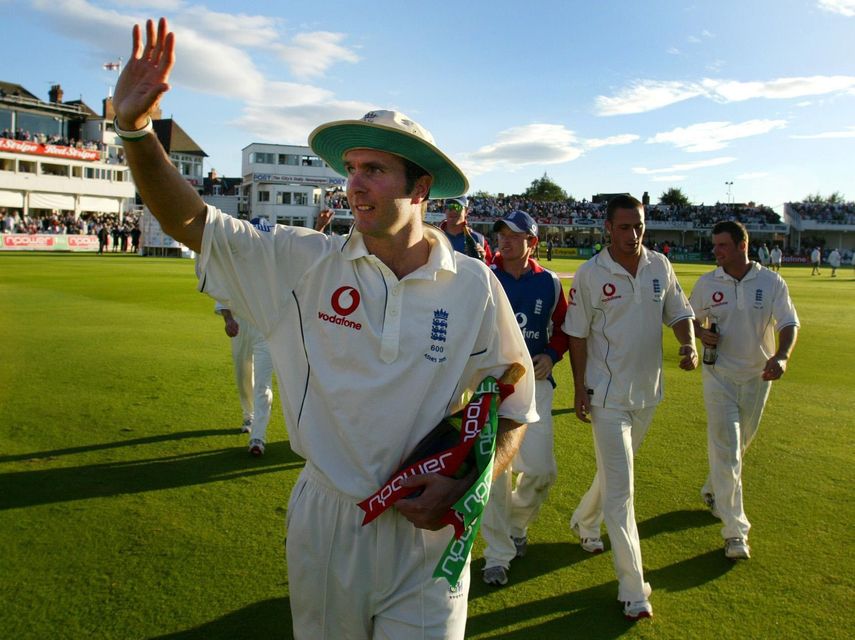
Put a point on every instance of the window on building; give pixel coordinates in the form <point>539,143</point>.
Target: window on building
<point>77,172</point>
<point>260,157</point>
<point>7,164</point>
<point>301,199</point>
<point>283,197</point>
<point>49,169</point>
<point>264,196</point>
<point>26,166</point>
<point>289,159</point>
<point>316,199</point>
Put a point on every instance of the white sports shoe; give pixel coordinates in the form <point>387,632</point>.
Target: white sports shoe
<point>591,545</point>
<point>256,447</point>
<point>496,576</point>
<point>637,610</point>
<point>246,427</point>
<point>737,549</point>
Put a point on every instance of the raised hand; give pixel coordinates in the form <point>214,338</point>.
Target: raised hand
<point>145,77</point>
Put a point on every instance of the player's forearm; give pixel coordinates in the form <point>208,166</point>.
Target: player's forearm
<point>578,362</point>
<point>168,195</point>
<point>786,341</point>
<point>508,442</point>
<point>684,331</point>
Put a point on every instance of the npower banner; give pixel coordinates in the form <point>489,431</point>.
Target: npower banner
<point>47,242</point>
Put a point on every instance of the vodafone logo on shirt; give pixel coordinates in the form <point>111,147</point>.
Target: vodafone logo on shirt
<point>609,290</point>
<point>344,301</point>
<point>718,298</point>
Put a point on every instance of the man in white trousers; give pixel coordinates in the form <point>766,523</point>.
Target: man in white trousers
<point>618,303</point>
<point>253,375</point>
<point>748,305</point>
<point>376,337</point>
<point>538,301</point>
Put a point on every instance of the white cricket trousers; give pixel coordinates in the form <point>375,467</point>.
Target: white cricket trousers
<point>349,582</point>
<point>617,436</point>
<point>509,510</point>
<point>242,358</point>
<point>254,377</point>
<point>734,409</point>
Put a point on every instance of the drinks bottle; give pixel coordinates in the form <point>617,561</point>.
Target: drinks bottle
<point>711,353</point>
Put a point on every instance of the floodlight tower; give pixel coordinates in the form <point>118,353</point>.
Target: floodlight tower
<point>729,184</point>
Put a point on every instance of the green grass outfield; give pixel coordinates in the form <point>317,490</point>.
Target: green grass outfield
<point>129,507</point>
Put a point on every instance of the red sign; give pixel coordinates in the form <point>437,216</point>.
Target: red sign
<point>82,242</point>
<point>52,150</point>
<point>28,241</point>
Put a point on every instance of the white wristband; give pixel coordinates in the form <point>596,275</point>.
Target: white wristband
<point>136,134</point>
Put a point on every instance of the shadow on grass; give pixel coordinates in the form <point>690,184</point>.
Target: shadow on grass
<point>265,619</point>
<point>587,613</point>
<point>674,521</point>
<point>101,446</point>
<point>45,486</point>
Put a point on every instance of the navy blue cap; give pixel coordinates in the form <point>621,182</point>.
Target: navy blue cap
<point>518,221</point>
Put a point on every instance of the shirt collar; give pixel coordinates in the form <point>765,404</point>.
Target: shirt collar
<point>605,260</point>
<point>499,261</point>
<point>752,272</point>
<point>442,255</point>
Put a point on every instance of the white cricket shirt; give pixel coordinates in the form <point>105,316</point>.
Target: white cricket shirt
<point>621,319</point>
<point>748,313</point>
<point>367,364</point>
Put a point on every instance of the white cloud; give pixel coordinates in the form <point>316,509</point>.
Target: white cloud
<point>694,39</point>
<point>530,144</point>
<point>647,95</point>
<point>311,54</point>
<point>797,87</point>
<point>624,138</point>
<point>752,175</point>
<point>685,166</point>
<point>292,122</point>
<point>674,51</point>
<point>712,136</point>
<point>827,135</point>
<point>843,7</point>
<point>214,55</point>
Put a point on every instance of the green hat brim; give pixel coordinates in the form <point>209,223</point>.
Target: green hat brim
<point>332,140</point>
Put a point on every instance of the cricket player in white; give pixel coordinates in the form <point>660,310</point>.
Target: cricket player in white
<point>375,336</point>
<point>776,256</point>
<point>748,304</point>
<point>618,303</point>
<point>253,375</point>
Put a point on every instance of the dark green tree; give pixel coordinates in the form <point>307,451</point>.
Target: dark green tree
<point>545,190</point>
<point>818,198</point>
<point>675,197</point>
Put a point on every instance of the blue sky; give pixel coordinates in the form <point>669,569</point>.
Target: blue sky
<point>603,97</point>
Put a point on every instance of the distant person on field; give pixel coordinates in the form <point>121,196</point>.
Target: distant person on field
<point>776,256</point>
<point>376,337</point>
<point>834,262</point>
<point>538,301</point>
<point>136,233</point>
<point>815,260</point>
<point>253,375</point>
<point>763,255</point>
<point>619,301</point>
<point>748,304</point>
